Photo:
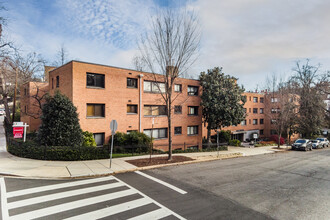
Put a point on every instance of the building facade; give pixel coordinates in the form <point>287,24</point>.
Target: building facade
<point>103,93</point>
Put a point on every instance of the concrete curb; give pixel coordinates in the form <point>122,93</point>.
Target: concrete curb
<point>224,156</point>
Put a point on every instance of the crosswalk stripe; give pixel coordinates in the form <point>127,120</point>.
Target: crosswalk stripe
<point>4,209</point>
<point>155,202</point>
<point>102,213</point>
<point>56,186</point>
<point>61,195</point>
<point>72,205</point>
<point>156,214</point>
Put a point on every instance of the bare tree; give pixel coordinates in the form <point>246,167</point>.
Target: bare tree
<point>36,96</point>
<point>62,56</point>
<point>305,82</point>
<point>167,51</point>
<point>26,68</point>
<point>7,79</point>
<point>281,108</point>
<point>138,63</point>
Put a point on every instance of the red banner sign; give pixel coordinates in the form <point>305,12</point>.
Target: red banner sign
<point>18,132</point>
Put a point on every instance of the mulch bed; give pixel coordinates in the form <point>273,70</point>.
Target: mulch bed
<point>158,160</point>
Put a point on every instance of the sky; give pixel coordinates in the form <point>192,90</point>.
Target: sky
<point>250,39</point>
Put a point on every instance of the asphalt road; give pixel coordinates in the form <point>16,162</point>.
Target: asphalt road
<point>293,185</point>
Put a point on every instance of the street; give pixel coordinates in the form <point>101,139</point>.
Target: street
<point>289,185</point>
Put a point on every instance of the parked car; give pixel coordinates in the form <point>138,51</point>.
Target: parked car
<point>316,144</point>
<point>302,144</point>
<point>324,142</point>
<point>2,111</point>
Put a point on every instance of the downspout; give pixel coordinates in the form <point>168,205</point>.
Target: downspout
<point>140,104</point>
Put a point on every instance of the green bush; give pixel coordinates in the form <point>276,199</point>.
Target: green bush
<point>224,136</point>
<point>235,142</point>
<point>60,124</point>
<point>134,138</point>
<point>89,140</point>
<point>30,149</point>
<point>120,139</point>
<point>17,113</point>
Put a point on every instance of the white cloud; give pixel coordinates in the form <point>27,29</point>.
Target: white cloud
<point>249,39</point>
<point>253,38</point>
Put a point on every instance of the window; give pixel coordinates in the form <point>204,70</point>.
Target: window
<point>273,121</point>
<point>244,110</point>
<point>273,100</point>
<point>250,98</point>
<point>99,138</point>
<point>261,100</point>
<point>25,109</point>
<point>57,81</point>
<point>261,110</point>
<point>132,83</point>
<point>130,131</point>
<point>272,132</point>
<point>192,130</point>
<point>243,122</point>
<point>249,121</point>
<point>255,99</point>
<point>25,91</point>
<point>275,110</point>
<point>178,109</point>
<point>255,121</point>
<point>193,90</point>
<point>261,132</point>
<point>95,110</point>
<point>95,80</point>
<point>156,133</point>
<point>249,110</point>
<point>192,110</point>
<point>177,130</point>
<point>156,87</point>
<point>52,83</point>
<point>154,110</point>
<point>132,109</point>
<point>255,111</point>
<point>261,121</point>
<point>177,88</point>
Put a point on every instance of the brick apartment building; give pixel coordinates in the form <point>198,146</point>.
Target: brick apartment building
<point>102,93</point>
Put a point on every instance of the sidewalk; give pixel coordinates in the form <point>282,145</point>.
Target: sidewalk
<point>16,166</point>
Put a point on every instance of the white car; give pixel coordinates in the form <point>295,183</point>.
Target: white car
<point>324,142</point>
<point>2,111</point>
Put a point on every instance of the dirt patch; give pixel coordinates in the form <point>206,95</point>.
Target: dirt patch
<point>157,161</point>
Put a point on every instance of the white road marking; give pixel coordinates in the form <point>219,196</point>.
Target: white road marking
<point>155,202</point>
<point>162,182</point>
<point>61,195</point>
<point>56,186</point>
<point>156,214</point>
<point>72,205</point>
<point>4,209</point>
<point>102,213</point>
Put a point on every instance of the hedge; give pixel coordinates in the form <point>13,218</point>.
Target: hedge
<point>32,150</point>
<point>235,142</point>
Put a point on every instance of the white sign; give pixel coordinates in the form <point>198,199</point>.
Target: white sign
<point>113,126</point>
<point>18,124</point>
<point>255,136</point>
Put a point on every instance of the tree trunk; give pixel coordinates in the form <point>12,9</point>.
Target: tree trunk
<point>5,103</point>
<point>208,136</point>
<point>169,119</point>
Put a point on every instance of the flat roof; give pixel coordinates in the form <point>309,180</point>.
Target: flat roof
<point>78,61</point>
